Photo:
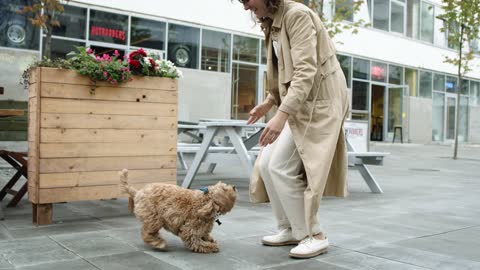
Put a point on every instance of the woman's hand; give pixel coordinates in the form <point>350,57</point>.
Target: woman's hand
<point>259,111</point>
<point>273,128</point>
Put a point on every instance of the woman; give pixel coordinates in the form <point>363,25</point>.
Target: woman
<point>305,152</point>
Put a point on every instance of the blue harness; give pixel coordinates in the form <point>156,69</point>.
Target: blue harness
<point>205,191</point>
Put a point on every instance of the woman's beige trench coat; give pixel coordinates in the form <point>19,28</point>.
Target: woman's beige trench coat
<point>306,81</point>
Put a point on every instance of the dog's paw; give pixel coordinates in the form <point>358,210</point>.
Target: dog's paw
<point>211,248</point>
<point>159,244</point>
<point>210,239</point>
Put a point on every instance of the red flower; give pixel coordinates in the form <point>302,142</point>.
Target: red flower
<point>134,63</point>
<point>142,52</point>
<point>152,63</point>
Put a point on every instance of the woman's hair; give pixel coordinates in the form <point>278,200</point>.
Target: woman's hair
<point>272,7</point>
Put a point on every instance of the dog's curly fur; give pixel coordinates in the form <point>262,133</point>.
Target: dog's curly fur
<point>189,214</point>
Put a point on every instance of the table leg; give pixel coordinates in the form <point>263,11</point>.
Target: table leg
<point>369,179</point>
<point>199,156</point>
<point>241,150</point>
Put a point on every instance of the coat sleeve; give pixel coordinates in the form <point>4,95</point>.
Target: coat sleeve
<point>303,43</point>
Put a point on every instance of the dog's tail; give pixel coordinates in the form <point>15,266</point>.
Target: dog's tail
<point>124,186</point>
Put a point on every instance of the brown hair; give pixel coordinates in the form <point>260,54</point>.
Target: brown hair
<point>272,7</point>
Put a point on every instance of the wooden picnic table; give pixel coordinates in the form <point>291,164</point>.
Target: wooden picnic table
<point>233,130</point>
<point>11,112</point>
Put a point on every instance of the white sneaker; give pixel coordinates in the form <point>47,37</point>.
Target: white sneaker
<point>283,238</point>
<point>309,247</point>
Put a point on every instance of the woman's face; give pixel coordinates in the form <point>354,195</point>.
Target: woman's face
<point>258,7</point>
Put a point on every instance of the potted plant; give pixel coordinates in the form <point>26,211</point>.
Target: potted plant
<point>91,116</point>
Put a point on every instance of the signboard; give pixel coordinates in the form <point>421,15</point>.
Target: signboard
<point>356,133</point>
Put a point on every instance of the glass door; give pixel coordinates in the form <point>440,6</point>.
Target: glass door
<point>450,116</point>
<point>394,110</point>
<point>244,90</point>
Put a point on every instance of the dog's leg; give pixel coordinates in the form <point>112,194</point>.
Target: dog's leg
<point>194,240</point>
<point>209,238</point>
<point>151,235</point>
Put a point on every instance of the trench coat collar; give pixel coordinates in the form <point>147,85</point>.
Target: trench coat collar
<point>278,16</point>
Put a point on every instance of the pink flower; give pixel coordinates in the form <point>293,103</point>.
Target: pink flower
<point>116,53</point>
<point>105,74</point>
<point>89,51</point>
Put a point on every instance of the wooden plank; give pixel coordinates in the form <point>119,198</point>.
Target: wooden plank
<point>34,76</point>
<point>52,195</point>
<point>33,90</point>
<point>55,75</point>
<point>50,105</point>
<point>106,136</point>
<point>52,165</point>
<point>102,178</point>
<point>11,112</point>
<point>34,135</point>
<point>53,120</point>
<point>73,91</point>
<point>32,118</point>
<point>32,196</point>
<point>42,214</point>
<point>55,150</point>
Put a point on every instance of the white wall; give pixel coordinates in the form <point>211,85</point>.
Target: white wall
<point>474,126</point>
<point>421,123</point>
<point>226,14</point>
<point>203,94</point>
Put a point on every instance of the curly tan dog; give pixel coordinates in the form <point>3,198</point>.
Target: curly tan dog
<point>189,214</point>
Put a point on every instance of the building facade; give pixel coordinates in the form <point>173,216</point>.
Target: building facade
<point>395,70</point>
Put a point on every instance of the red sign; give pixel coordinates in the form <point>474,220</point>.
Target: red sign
<point>107,32</point>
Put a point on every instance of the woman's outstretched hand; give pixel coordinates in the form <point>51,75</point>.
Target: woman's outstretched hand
<point>273,128</point>
<point>259,111</point>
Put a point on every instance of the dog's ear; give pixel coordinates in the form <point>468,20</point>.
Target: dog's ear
<point>207,210</point>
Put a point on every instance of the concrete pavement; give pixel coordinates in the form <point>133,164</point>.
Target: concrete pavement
<point>428,218</point>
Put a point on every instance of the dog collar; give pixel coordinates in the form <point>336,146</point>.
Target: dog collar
<point>205,191</point>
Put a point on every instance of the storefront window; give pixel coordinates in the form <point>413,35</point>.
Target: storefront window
<point>264,52</point>
<point>465,87</point>
<point>245,49</point>
<point>215,51</point>
<point>378,72</point>
<point>427,22</point>
<point>108,27</point>
<point>438,116</point>
<point>244,90</point>
<point>425,84</point>
<point>395,75</point>
<point>397,17</point>
<point>16,30</point>
<point>361,69</point>
<point>439,82</point>
<point>60,48</point>
<point>439,36</point>
<point>463,120</point>
<point>72,23</point>
<point>360,96</point>
<point>475,93</point>
<point>16,61</point>
<point>346,63</point>
<point>380,14</point>
<point>147,34</point>
<point>183,44</point>
<point>411,78</point>
<point>451,84</point>
<point>413,19</point>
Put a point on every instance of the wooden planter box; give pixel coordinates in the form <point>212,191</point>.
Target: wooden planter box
<point>78,141</point>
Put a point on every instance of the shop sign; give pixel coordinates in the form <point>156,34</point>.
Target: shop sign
<point>107,32</point>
